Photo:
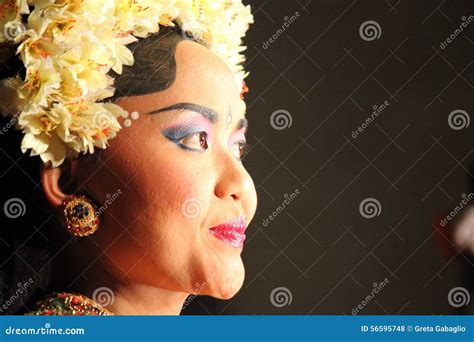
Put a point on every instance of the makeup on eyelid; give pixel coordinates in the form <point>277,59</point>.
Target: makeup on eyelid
<point>237,136</point>
<point>180,130</point>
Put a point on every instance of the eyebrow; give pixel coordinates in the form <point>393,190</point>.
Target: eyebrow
<point>242,123</point>
<point>208,113</point>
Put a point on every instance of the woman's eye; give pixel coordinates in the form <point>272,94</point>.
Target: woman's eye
<point>240,149</point>
<point>196,141</point>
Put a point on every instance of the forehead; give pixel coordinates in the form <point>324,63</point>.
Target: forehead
<point>203,78</point>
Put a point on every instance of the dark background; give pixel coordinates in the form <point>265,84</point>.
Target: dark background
<point>409,159</point>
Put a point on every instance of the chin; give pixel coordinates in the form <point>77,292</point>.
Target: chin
<point>229,284</point>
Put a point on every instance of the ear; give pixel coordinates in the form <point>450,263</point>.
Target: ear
<point>57,181</point>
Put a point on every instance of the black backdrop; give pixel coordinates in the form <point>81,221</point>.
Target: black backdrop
<point>311,87</point>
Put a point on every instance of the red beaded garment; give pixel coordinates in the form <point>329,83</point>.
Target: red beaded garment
<point>69,304</point>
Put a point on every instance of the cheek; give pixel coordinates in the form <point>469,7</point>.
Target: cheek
<point>180,190</point>
<point>158,218</point>
<point>165,188</point>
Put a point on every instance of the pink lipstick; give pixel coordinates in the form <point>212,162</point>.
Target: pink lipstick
<point>232,232</point>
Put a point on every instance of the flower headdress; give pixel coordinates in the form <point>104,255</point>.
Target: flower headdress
<point>68,48</point>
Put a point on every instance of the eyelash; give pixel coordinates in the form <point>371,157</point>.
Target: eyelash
<point>179,141</point>
<point>244,146</point>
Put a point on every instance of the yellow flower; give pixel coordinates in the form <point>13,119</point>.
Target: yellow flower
<point>68,48</point>
<point>10,11</point>
<point>42,80</point>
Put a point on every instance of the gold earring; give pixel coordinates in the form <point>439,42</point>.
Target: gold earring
<point>81,215</point>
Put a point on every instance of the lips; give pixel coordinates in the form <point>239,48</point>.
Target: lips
<point>232,232</point>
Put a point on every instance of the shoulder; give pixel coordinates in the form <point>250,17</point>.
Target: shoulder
<point>66,304</point>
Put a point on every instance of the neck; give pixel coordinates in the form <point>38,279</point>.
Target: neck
<point>139,299</point>
<point>122,296</point>
<point>136,299</point>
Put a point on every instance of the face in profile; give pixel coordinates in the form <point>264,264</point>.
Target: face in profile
<point>186,197</point>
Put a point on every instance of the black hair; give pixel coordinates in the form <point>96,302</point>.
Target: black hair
<point>154,68</point>
<point>28,228</point>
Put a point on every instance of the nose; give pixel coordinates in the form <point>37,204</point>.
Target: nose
<point>234,182</point>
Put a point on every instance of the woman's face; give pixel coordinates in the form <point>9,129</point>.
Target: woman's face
<point>176,174</point>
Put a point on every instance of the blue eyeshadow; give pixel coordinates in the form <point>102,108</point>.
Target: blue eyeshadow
<point>176,133</point>
<point>179,132</point>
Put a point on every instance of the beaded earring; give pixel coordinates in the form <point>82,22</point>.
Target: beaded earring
<point>81,216</point>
